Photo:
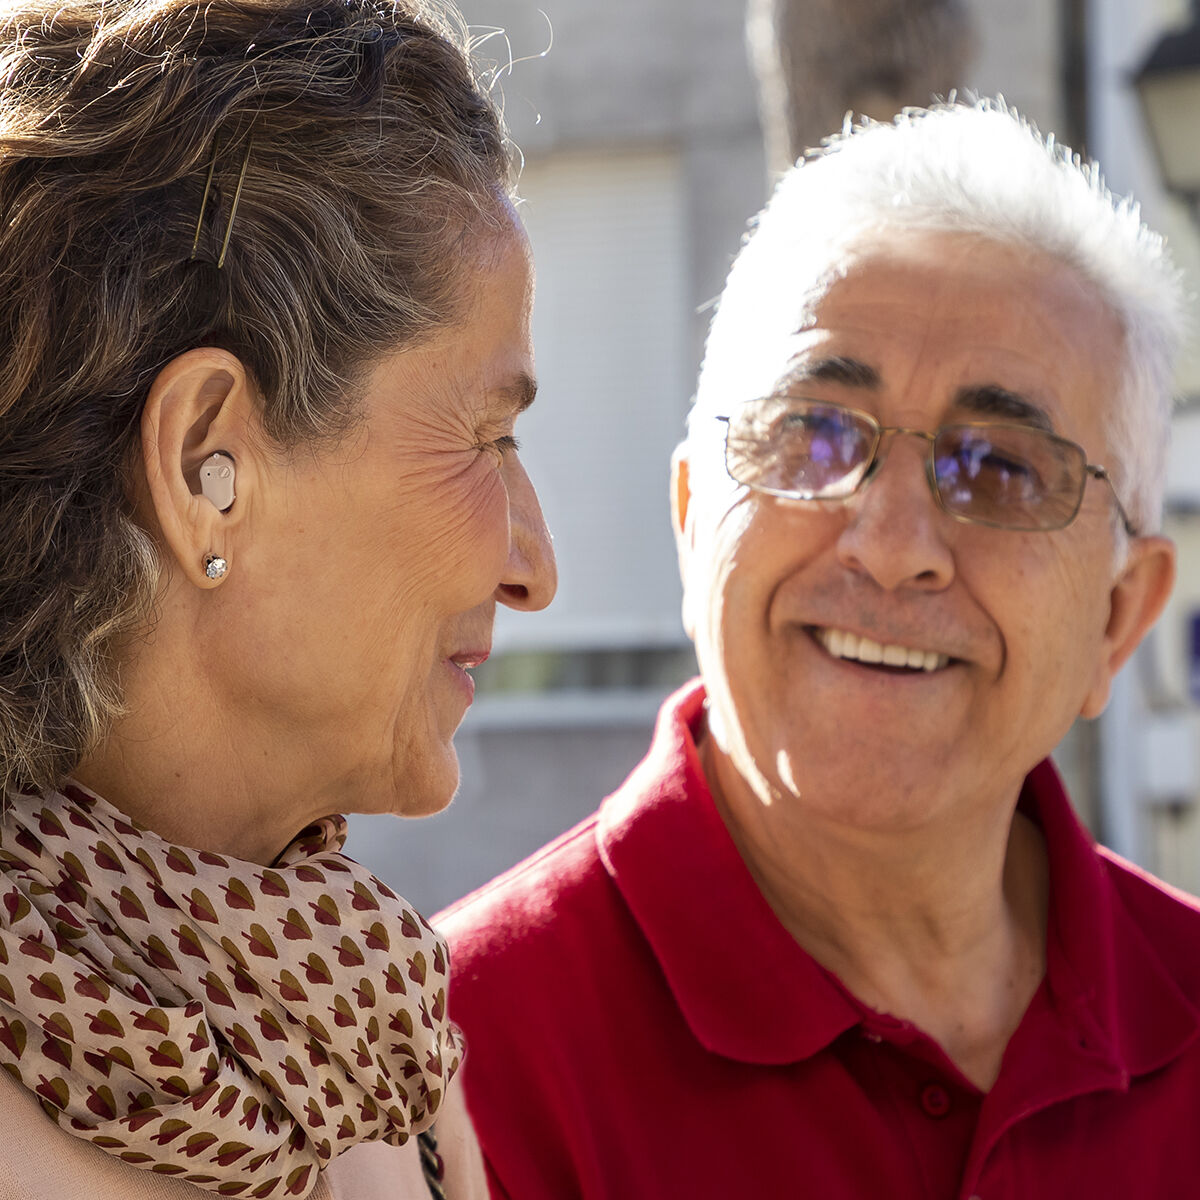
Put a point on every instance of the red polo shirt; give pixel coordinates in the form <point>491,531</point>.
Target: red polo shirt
<point>641,1025</point>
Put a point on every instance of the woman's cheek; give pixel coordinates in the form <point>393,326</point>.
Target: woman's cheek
<point>474,539</point>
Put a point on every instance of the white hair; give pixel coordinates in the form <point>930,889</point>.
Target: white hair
<point>958,167</point>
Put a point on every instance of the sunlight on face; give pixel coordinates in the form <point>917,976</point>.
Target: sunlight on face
<point>375,581</point>
<point>1017,620</point>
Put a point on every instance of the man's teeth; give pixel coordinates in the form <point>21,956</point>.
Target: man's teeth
<point>842,644</point>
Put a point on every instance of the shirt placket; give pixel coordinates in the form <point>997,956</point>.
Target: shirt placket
<point>935,1109</point>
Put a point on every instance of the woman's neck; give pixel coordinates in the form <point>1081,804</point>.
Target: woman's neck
<point>170,764</point>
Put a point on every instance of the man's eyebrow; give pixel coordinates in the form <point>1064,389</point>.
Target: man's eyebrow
<point>849,372</point>
<point>519,394</point>
<point>991,400</point>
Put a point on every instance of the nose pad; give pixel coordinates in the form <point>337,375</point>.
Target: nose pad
<point>531,573</point>
<point>888,438</point>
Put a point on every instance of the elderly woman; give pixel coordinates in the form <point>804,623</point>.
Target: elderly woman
<point>264,321</point>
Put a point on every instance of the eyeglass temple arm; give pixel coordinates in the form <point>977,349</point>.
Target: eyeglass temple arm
<point>1101,473</point>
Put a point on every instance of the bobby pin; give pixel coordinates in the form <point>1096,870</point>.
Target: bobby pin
<point>237,195</point>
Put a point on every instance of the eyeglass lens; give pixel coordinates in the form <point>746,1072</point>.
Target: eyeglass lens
<point>1014,476</point>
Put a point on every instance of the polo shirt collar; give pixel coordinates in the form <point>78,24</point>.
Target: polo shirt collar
<point>749,992</point>
<point>744,986</point>
<point>1103,974</point>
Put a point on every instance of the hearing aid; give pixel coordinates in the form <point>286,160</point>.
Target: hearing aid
<point>216,479</point>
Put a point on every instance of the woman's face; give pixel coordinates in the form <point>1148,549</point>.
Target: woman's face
<point>371,577</point>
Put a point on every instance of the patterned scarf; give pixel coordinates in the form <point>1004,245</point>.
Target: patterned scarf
<point>232,1025</point>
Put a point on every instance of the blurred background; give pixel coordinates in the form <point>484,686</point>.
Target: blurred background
<point>651,132</point>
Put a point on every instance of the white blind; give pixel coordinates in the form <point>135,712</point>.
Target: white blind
<point>610,326</point>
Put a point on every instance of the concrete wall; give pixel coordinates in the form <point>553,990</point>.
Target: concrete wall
<point>626,73</point>
<point>1019,57</point>
<point>521,786</point>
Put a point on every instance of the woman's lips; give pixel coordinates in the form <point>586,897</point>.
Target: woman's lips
<point>470,658</point>
<point>460,665</point>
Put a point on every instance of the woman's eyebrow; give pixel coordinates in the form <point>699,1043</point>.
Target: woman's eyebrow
<point>517,395</point>
<point>992,400</point>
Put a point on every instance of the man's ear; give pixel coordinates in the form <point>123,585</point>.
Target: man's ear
<point>685,533</point>
<point>1138,598</point>
<point>681,491</point>
<point>199,403</point>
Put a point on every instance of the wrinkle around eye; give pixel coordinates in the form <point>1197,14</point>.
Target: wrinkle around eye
<point>500,446</point>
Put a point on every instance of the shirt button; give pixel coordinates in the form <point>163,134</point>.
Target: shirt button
<point>935,1100</point>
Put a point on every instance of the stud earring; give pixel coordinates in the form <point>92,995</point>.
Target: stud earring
<point>215,566</point>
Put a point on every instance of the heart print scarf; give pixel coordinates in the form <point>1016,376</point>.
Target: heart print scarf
<point>232,1025</point>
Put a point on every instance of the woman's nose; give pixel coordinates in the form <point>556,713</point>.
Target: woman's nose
<point>530,575</point>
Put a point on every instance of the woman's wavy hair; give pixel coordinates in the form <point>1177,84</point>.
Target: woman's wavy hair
<point>371,148</point>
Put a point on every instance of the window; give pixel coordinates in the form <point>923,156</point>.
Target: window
<point>610,332</point>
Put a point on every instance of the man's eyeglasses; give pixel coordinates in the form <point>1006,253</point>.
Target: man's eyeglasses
<point>1008,476</point>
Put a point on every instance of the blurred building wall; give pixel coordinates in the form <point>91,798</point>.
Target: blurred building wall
<point>1149,743</point>
<point>643,162</point>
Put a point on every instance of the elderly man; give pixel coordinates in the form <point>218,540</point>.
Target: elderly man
<point>840,935</point>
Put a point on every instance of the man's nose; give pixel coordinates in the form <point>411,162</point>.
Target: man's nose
<point>530,575</point>
<point>894,528</point>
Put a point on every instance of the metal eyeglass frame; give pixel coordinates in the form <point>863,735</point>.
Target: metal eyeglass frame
<point>1094,470</point>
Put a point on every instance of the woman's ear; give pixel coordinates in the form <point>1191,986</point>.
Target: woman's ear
<point>201,403</point>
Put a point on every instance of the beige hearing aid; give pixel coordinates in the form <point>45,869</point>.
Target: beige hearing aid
<point>216,479</point>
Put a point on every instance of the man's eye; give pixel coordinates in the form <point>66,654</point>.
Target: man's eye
<point>986,459</point>
<point>1007,465</point>
<point>1002,473</point>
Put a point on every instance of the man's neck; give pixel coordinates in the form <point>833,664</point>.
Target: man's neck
<point>945,928</point>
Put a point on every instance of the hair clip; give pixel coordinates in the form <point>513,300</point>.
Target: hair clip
<point>237,195</point>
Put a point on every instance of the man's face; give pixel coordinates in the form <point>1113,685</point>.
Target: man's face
<point>1030,626</point>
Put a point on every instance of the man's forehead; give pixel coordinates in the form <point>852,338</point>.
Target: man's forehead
<point>930,268</point>
<point>1033,341</point>
<point>1010,330</point>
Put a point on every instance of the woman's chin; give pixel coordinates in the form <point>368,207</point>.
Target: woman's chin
<point>421,790</point>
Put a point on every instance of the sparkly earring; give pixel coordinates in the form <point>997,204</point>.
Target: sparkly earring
<point>215,566</point>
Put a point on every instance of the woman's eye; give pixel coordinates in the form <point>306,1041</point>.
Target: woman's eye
<point>501,444</point>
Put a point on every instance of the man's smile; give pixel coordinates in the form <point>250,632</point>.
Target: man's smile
<point>841,643</point>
